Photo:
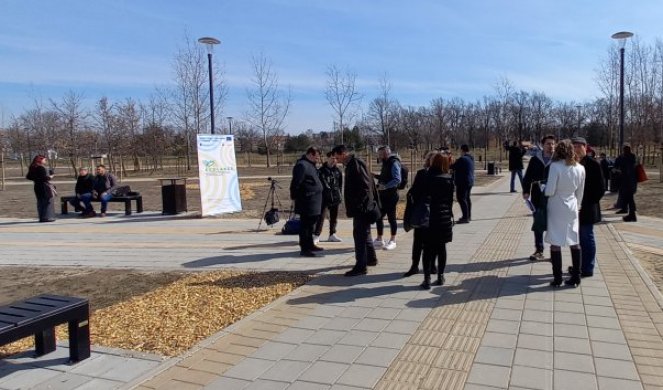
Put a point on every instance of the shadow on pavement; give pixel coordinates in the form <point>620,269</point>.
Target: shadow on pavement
<point>255,257</point>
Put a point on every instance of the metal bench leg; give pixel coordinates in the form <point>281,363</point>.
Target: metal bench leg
<point>127,207</point>
<point>79,340</point>
<point>45,341</point>
<point>63,208</point>
<point>139,204</point>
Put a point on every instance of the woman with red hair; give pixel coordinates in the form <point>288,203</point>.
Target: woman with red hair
<point>44,190</point>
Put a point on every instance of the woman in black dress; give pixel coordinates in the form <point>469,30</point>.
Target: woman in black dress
<point>44,190</point>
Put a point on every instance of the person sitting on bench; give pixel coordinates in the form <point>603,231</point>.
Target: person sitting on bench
<point>104,182</point>
<point>83,189</point>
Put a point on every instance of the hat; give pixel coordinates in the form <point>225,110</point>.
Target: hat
<point>579,140</point>
<point>329,154</point>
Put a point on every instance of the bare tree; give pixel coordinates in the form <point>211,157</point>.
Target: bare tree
<point>379,109</point>
<point>73,118</point>
<point>268,105</point>
<point>342,94</point>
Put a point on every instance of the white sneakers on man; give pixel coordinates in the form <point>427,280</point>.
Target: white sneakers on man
<point>334,238</point>
<point>378,243</point>
<point>390,245</point>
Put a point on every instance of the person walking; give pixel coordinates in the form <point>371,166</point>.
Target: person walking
<point>388,181</point>
<point>437,187</point>
<point>418,233</point>
<point>536,173</point>
<point>306,192</point>
<point>44,190</point>
<point>625,165</point>
<point>332,196</point>
<point>564,188</point>
<point>590,210</point>
<point>359,192</point>
<point>516,153</point>
<point>464,180</point>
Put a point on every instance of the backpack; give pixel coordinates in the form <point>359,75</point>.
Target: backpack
<point>404,173</point>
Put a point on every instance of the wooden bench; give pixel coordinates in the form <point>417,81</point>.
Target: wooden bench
<point>135,196</point>
<point>40,315</point>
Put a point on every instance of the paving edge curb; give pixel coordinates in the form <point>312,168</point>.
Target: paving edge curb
<point>656,293</point>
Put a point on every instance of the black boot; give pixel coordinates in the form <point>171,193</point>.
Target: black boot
<point>440,280</point>
<point>426,283</point>
<point>576,259</point>
<point>413,270</point>
<point>556,260</point>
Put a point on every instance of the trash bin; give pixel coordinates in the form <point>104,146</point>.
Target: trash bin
<point>491,168</point>
<point>173,195</point>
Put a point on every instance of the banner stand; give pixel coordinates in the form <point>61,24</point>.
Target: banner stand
<point>217,171</point>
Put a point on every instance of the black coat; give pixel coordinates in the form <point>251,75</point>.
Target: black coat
<point>537,170</point>
<point>84,184</point>
<point>332,184</point>
<point>306,188</point>
<point>590,210</point>
<point>625,163</point>
<point>359,187</point>
<point>440,188</point>
<point>39,175</point>
<point>516,154</point>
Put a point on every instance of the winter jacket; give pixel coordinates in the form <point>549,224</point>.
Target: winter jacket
<point>306,188</point>
<point>590,211</point>
<point>626,165</point>
<point>537,170</point>
<point>359,188</point>
<point>104,183</point>
<point>440,188</point>
<point>390,172</point>
<point>39,175</point>
<point>332,184</point>
<point>84,184</point>
<point>516,154</point>
<point>464,171</point>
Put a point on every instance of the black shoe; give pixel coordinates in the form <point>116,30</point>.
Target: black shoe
<point>514,191</point>
<point>440,280</point>
<point>316,248</point>
<point>621,211</point>
<point>556,283</point>
<point>307,254</point>
<point>355,272</point>
<point>411,272</point>
<point>630,218</point>
<point>572,281</point>
<point>463,220</point>
<point>425,285</point>
<point>586,274</point>
<point>372,263</point>
<point>537,256</point>
<point>46,220</point>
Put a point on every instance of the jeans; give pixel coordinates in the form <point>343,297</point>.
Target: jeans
<point>307,224</point>
<point>364,251</point>
<point>388,200</point>
<point>463,198</point>
<point>333,219</point>
<point>518,172</point>
<point>104,198</point>
<point>587,248</point>
<point>86,198</point>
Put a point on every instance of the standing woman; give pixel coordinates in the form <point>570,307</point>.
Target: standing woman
<point>438,188</point>
<point>564,189</point>
<point>44,190</point>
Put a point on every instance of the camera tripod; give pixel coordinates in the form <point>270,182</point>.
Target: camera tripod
<point>272,196</point>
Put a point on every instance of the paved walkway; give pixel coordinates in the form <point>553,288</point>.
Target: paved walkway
<point>494,325</point>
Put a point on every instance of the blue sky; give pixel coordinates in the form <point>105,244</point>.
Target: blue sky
<point>428,49</point>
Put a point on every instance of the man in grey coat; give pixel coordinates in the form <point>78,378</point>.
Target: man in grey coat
<point>306,191</point>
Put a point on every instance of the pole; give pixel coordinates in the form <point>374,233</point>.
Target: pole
<point>230,124</point>
<point>211,91</point>
<point>621,100</point>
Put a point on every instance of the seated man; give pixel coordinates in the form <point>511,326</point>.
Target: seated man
<point>83,189</point>
<point>104,182</point>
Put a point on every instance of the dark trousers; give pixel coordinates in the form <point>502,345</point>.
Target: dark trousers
<point>627,199</point>
<point>85,199</point>
<point>388,201</point>
<point>518,172</point>
<point>46,207</point>
<point>588,248</point>
<point>464,201</point>
<point>333,219</point>
<point>434,248</point>
<point>417,246</point>
<point>538,240</point>
<point>364,251</point>
<point>307,224</point>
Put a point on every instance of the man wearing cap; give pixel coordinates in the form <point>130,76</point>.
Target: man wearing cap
<point>590,210</point>
<point>84,188</point>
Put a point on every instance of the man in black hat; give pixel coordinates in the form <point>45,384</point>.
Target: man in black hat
<point>590,210</point>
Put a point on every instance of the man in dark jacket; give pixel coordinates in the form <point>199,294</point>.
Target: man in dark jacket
<point>625,164</point>
<point>358,194</point>
<point>590,210</point>
<point>537,171</point>
<point>332,196</point>
<point>84,188</point>
<point>516,153</point>
<point>464,180</point>
<point>306,191</point>
<point>104,182</point>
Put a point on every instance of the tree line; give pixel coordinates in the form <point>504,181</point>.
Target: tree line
<point>166,123</point>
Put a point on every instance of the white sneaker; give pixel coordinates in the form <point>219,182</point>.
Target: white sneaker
<point>390,245</point>
<point>316,240</point>
<point>378,243</point>
<point>334,238</point>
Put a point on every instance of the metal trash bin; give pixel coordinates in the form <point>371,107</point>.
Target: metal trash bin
<point>491,168</point>
<point>173,195</point>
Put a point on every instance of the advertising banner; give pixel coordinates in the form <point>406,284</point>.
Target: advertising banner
<point>217,170</point>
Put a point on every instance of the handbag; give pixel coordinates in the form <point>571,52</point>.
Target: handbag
<point>420,215</point>
<point>540,215</point>
<point>272,216</point>
<point>640,173</point>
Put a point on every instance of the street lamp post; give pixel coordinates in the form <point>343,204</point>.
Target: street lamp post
<point>230,124</point>
<point>621,37</point>
<point>209,42</point>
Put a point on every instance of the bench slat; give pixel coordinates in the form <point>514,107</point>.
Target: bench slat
<point>5,326</point>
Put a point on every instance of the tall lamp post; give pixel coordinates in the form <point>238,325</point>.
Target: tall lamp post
<point>209,42</point>
<point>230,124</point>
<point>621,37</point>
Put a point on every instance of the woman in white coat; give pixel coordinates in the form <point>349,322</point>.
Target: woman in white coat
<point>564,189</point>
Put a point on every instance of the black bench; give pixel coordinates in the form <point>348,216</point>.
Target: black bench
<point>135,196</point>
<point>39,315</point>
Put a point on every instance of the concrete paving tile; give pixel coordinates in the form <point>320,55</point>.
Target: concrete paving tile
<point>603,322</point>
<point>620,369</point>
<point>285,371</point>
<point>494,355</point>
<point>312,322</point>
<point>569,307</point>
<point>454,360</point>
<point>603,311</point>
<point>472,386</point>
<point>327,311</point>
<point>570,318</point>
<point>444,379</point>
<point>28,378</point>
<point>358,337</point>
<point>294,335</point>
<point>418,354</point>
<point>506,314</point>
<point>340,323</point>
<point>261,384</point>
<point>597,300</point>
<point>500,340</point>
<point>99,384</point>
<point>563,300</point>
<point>572,345</point>
<point>567,330</point>
<point>532,304</point>
<point>536,328</point>
<point>565,380</point>
<point>611,351</point>
<point>384,313</point>
<point>402,327</point>
<point>326,337</point>
<point>503,303</point>
<point>542,343</point>
<point>323,372</point>
<point>64,381</point>
<point>607,335</point>
<point>372,324</point>
<point>249,369</point>
<point>345,387</point>
<point>308,352</point>
<point>488,375</point>
<point>413,314</point>
<point>503,326</point>
<point>273,350</point>
<point>574,362</point>
<point>531,378</point>
<point>228,384</point>
<point>301,385</point>
<point>342,353</point>
<point>595,291</point>
<point>618,384</point>
<point>396,303</point>
<point>362,376</point>
<point>390,340</point>
<point>538,316</point>
<point>376,356</point>
<point>533,358</point>
<point>355,312</point>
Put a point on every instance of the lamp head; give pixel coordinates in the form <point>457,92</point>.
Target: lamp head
<point>209,42</point>
<point>622,36</point>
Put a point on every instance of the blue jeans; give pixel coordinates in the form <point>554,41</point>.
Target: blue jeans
<point>104,198</point>
<point>587,248</point>
<point>464,201</point>
<point>86,198</point>
<point>518,172</point>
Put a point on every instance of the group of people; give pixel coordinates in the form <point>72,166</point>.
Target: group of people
<point>88,187</point>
